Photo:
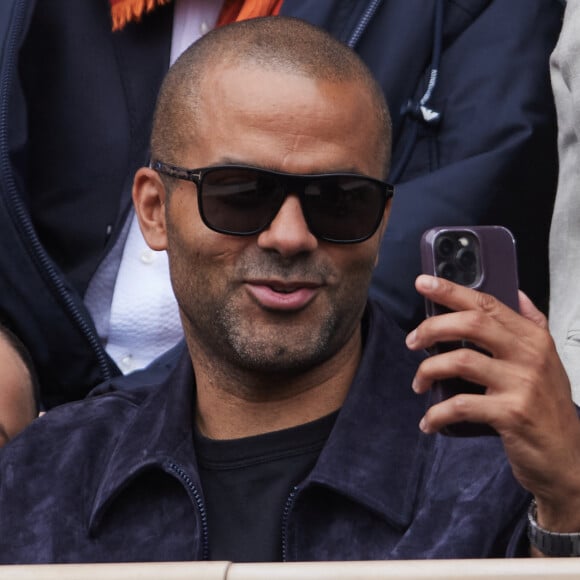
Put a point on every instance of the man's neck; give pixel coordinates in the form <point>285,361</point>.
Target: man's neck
<point>228,408</point>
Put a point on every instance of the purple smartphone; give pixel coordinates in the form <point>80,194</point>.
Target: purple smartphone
<point>480,257</point>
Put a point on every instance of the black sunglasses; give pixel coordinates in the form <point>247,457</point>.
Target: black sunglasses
<point>239,200</point>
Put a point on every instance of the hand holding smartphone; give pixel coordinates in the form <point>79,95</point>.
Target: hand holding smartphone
<point>479,257</point>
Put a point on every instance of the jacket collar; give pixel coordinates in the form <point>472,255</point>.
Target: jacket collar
<point>372,455</point>
<point>159,434</point>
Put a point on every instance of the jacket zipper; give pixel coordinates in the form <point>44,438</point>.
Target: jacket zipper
<point>19,212</point>
<point>420,112</point>
<point>184,477</point>
<point>285,516</point>
<point>363,23</point>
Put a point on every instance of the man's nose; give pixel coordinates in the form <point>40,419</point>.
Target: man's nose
<point>288,234</point>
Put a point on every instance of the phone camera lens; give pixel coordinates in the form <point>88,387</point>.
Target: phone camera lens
<point>445,246</point>
<point>466,258</point>
<point>447,270</point>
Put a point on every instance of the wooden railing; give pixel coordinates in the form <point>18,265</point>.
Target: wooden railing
<point>509,569</point>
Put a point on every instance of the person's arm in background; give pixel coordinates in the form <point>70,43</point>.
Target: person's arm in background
<point>491,159</point>
<point>19,392</point>
<point>565,231</point>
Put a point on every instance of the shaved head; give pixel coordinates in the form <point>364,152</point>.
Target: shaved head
<point>278,44</point>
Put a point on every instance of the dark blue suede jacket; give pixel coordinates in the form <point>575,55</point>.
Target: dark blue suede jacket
<point>114,477</point>
<point>474,142</point>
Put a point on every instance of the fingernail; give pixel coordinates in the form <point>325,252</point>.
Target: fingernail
<point>423,425</point>
<point>411,338</point>
<point>415,385</point>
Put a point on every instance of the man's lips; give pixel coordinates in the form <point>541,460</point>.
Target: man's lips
<point>276,295</point>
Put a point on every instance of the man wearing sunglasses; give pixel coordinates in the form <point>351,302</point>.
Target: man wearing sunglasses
<point>75,127</point>
<point>296,423</point>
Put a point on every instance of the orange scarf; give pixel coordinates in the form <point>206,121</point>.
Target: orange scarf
<point>124,11</point>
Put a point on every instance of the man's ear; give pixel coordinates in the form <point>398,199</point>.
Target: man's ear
<point>149,197</point>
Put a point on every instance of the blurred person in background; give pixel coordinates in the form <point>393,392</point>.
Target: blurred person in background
<point>565,233</point>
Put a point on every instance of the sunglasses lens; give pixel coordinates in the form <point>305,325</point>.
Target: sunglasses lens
<point>244,201</point>
<point>236,200</point>
<point>344,208</point>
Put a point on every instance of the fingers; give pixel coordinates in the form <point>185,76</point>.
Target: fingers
<point>481,319</point>
<point>456,297</point>
<point>523,359</point>
<point>466,363</point>
<point>472,326</point>
<point>505,408</point>
<point>458,409</point>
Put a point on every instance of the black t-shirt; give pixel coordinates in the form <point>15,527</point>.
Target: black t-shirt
<point>247,482</point>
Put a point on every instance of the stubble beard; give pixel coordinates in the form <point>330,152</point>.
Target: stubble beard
<point>280,345</point>
<point>285,346</point>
